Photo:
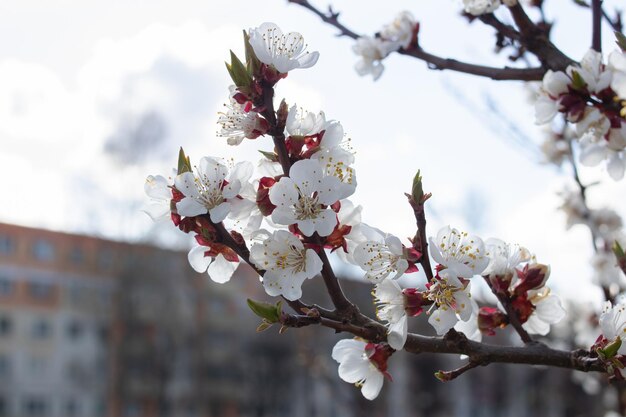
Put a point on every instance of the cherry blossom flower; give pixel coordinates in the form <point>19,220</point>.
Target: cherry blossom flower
<point>460,252</point>
<point>547,310</point>
<point>504,259</point>
<point>613,324</point>
<point>304,123</point>
<point>390,300</point>
<point>371,51</point>
<point>451,301</point>
<point>617,64</point>
<point>400,32</point>
<point>283,51</point>
<point>606,273</point>
<point>363,364</point>
<point>214,191</point>
<point>478,7</point>
<point>554,84</point>
<point>381,256</point>
<point>159,190</point>
<point>212,260</point>
<point>303,198</point>
<point>556,146</point>
<point>592,71</point>
<point>238,123</point>
<point>286,262</point>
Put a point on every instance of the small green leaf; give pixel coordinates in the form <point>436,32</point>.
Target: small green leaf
<point>620,40</point>
<point>578,81</point>
<point>184,164</point>
<point>270,155</point>
<point>611,349</point>
<point>268,312</point>
<point>263,326</point>
<point>442,376</point>
<point>238,72</point>
<point>252,62</point>
<point>617,250</point>
<point>417,191</point>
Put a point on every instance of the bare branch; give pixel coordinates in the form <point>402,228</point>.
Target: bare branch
<point>596,17</point>
<point>434,61</point>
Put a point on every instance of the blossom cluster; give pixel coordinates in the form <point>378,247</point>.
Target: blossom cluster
<point>401,33</point>
<point>294,207</point>
<point>589,96</point>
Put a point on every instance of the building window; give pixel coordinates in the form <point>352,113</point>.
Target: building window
<point>76,255</point>
<point>7,286</point>
<point>5,367</point>
<point>43,250</point>
<point>6,325</point>
<point>35,407</point>
<point>7,245</point>
<point>42,329</point>
<point>40,290</point>
<point>105,259</point>
<point>71,408</point>
<point>75,330</point>
<point>4,407</point>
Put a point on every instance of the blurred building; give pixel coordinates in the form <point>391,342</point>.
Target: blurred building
<point>91,328</point>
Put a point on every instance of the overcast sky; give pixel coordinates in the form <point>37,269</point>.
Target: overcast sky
<point>79,79</point>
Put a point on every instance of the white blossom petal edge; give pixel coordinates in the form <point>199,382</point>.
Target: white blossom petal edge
<point>219,269</point>
<point>286,263</point>
<point>284,51</point>
<point>390,308</point>
<point>355,367</point>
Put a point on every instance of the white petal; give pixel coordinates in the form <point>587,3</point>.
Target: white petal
<point>615,167</point>
<point>372,385</point>
<point>592,154</point>
<point>550,309</point>
<point>197,260</point>
<point>221,270</point>
<point>313,263</point>
<point>212,170</point>
<point>442,320</point>
<point>354,369</point>
<point>325,223</point>
<point>307,174</point>
<point>156,187</point>
<point>284,193</point>
<point>308,59</point>
<point>347,347</point>
<point>190,207</point>
<point>157,211</point>
<point>397,334</point>
<point>186,184</point>
<point>220,212</point>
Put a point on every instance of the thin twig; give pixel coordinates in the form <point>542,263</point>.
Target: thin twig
<point>511,313</point>
<point>596,19</point>
<point>434,61</point>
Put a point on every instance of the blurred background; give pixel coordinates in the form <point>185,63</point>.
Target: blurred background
<point>100,314</point>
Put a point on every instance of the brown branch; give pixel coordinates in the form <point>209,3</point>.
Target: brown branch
<point>532,353</point>
<point>506,30</point>
<point>499,74</point>
<point>341,303</point>
<point>420,240</point>
<point>536,41</point>
<point>446,376</point>
<point>616,24</point>
<point>479,353</point>
<point>511,313</point>
<point>278,135</point>
<point>434,61</point>
<point>596,19</point>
